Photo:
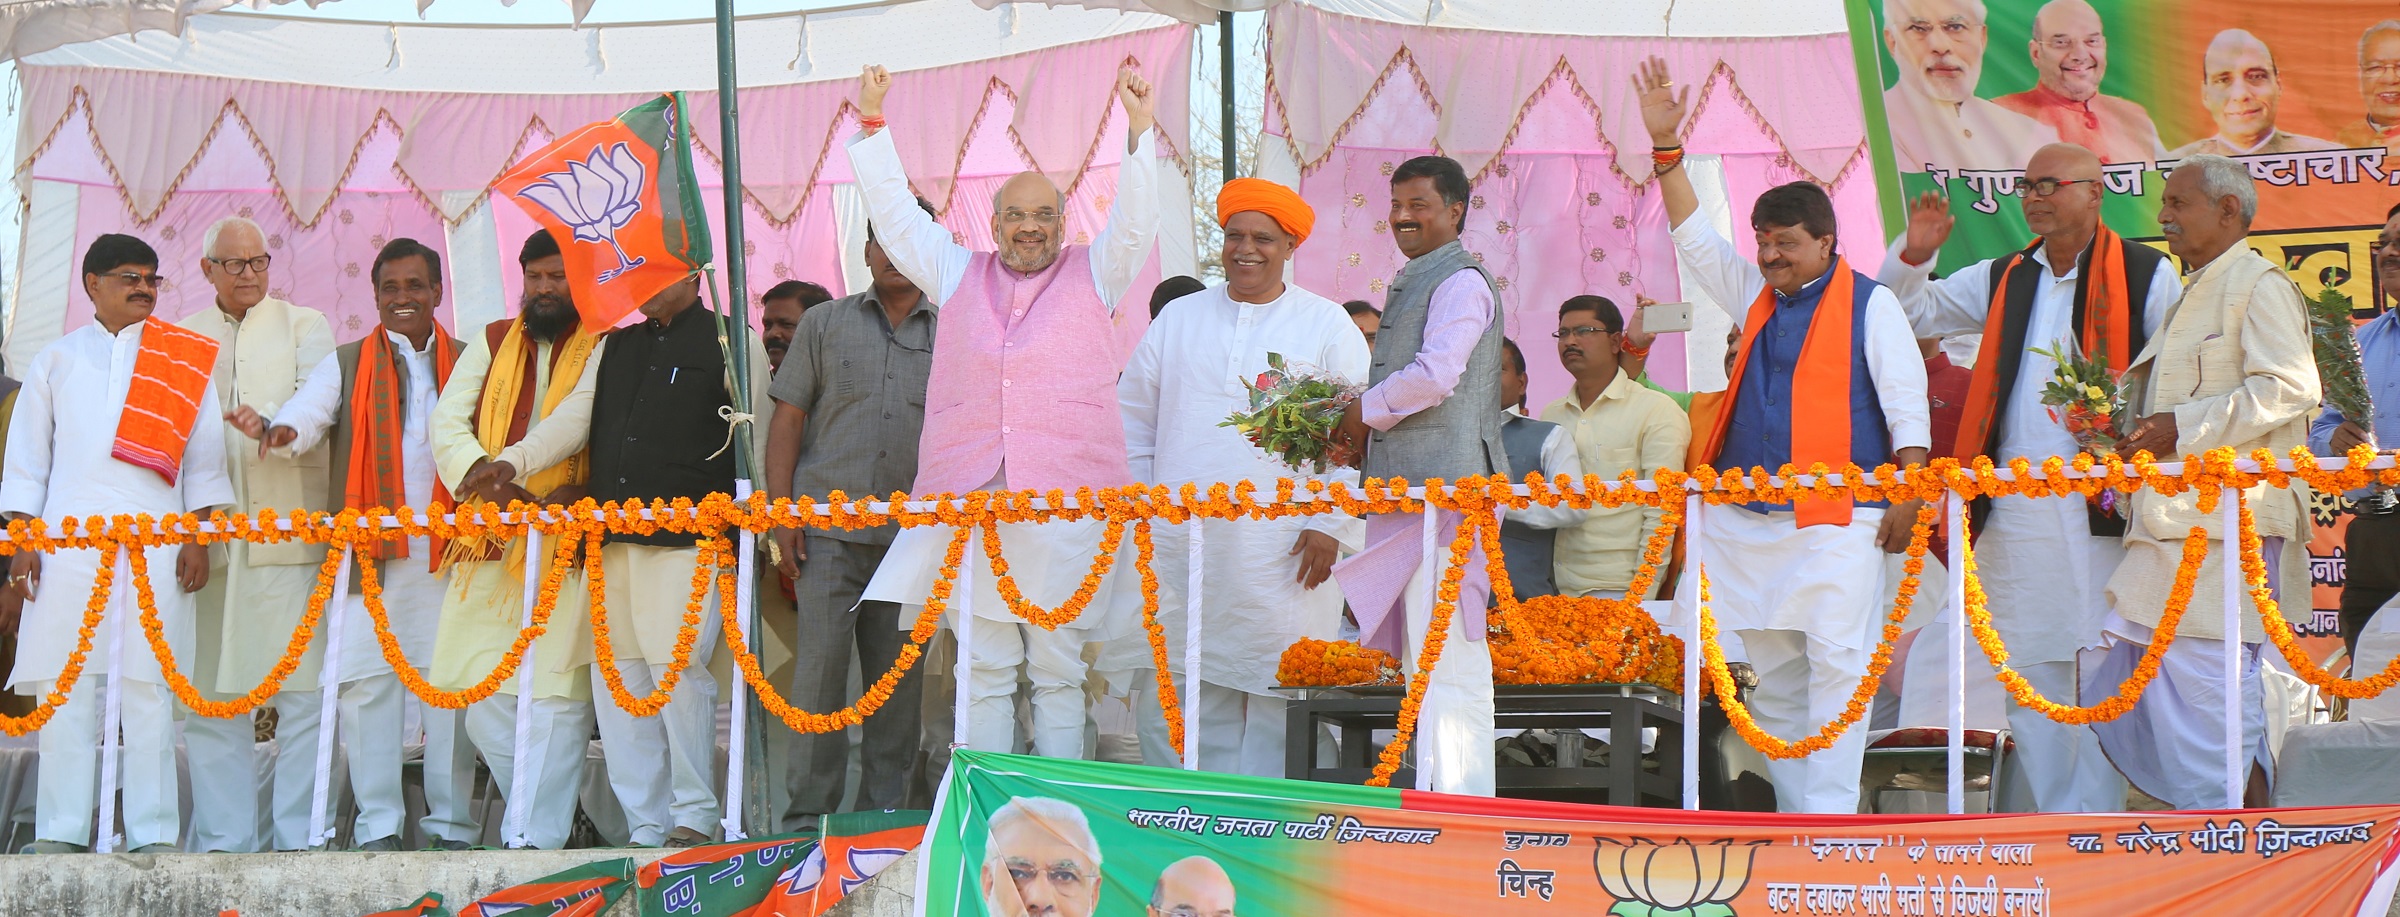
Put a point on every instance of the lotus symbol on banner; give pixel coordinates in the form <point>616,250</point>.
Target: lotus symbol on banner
<point>1673,880</point>
<point>596,197</point>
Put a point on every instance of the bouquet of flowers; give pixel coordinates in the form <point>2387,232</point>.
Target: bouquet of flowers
<point>1293,415</point>
<point>2082,395</point>
<point>2333,338</point>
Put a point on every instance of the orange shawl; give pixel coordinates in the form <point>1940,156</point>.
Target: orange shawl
<point>375,477</point>
<point>1820,392</point>
<point>2107,312</point>
<point>170,380</point>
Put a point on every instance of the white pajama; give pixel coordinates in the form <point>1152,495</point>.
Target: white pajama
<point>662,767</point>
<point>68,777</point>
<point>1054,664</point>
<point>1239,732</point>
<point>562,732</point>
<point>296,722</point>
<point>223,757</point>
<point>1453,744</point>
<point>372,713</point>
<point>1805,603</point>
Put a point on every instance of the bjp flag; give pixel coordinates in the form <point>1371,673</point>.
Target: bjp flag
<point>620,197</point>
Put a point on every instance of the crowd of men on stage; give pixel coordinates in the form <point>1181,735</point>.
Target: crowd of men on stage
<point>956,370</point>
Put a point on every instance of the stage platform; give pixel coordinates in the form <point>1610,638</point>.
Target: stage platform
<point>276,884</point>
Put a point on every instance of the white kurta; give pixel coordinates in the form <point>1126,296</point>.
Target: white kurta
<point>59,465</point>
<point>2041,565</point>
<point>1048,561</point>
<point>1184,379</point>
<point>412,594</point>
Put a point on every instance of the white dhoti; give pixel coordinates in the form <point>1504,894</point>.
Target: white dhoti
<point>1048,561</point>
<point>1453,744</point>
<point>69,773</point>
<point>1239,732</point>
<point>648,592</point>
<point>2171,745</point>
<point>256,613</point>
<point>1806,603</point>
<point>2047,580</point>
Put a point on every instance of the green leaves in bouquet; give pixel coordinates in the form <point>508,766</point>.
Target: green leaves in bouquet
<point>1292,416</point>
<point>2333,339</point>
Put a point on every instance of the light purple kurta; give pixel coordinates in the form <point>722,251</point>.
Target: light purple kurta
<point>1374,578</point>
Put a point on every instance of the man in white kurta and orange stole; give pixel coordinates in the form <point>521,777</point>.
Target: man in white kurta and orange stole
<point>2230,366</point>
<point>1262,581</point>
<point>266,347</point>
<point>116,417</point>
<point>372,401</point>
<point>1023,396</point>
<point>1826,372</point>
<point>514,372</point>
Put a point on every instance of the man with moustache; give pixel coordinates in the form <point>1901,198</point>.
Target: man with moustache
<point>1262,578</point>
<point>373,401</point>
<point>849,409</point>
<point>1017,400</point>
<point>2372,542</point>
<point>515,372</point>
<point>2230,366</point>
<point>2241,87</point>
<point>779,312</point>
<point>246,617</point>
<point>1937,120</point>
<point>2379,87</point>
<point>2070,57</point>
<point>2079,288</point>
<point>115,417</point>
<point>1428,412</point>
<point>1827,372</point>
<point>1618,425</point>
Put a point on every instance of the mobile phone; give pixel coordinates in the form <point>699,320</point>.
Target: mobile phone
<point>1663,317</point>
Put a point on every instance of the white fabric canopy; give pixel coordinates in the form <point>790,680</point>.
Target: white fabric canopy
<point>1628,18</point>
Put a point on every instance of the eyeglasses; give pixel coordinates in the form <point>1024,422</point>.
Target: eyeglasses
<point>1579,331</point>
<point>1064,875</point>
<point>2045,187</point>
<point>239,266</point>
<point>2381,70</point>
<point>1043,217</point>
<point>138,279</point>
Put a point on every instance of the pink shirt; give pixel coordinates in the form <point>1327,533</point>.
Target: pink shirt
<point>1454,321</point>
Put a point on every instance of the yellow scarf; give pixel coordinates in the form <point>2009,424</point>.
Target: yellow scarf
<point>496,426</point>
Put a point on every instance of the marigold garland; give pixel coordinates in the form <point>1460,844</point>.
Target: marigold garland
<point>2270,614</point>
<point>604,651</point>
<point>1437,631</point>
<point>1720,679</point>
<point>2129,692</point>
<point>155,629</point>
<point>545,601</point>
<point>1169,703</point>
<point>60,688</point>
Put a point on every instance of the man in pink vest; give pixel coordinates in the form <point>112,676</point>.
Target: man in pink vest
<point>1022,397</point>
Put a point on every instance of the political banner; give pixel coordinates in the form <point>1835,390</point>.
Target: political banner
<point>1018,836</point>
<point>1959,93</point>
<point>718,879</point>
<point>583,891</point>
<point>856,846</point>
<point>2306,93</point>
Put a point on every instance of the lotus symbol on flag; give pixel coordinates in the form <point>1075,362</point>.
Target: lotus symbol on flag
<point>1673,880</point>
<point>596,197</point>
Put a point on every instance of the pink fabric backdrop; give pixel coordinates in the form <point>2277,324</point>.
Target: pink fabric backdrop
<point>323,264</point>
<point>1554,215</point>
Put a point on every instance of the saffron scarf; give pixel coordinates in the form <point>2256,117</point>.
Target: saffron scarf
<point>376,476</point>
<point>2104,331</point>
<point>505,413</point>
<point>170,379</point>
<point>1820,392</point>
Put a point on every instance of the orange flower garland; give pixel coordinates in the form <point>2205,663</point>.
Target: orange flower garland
<point>1073,607</point>
<point>545,601</point>
<point>876,695</point>
<point>1168,703</point>
<point>604,653</point>
<point>93,610</point>
<point>2254,575</point>
<point>1720,679</point>
<point>2179,598</point>
<point>1311,663</point>
<point>1437,631</point>
<point>154,628</point>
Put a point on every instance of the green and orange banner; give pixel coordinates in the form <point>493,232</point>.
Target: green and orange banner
<point>2305,93</point>
<point>1017,836</point>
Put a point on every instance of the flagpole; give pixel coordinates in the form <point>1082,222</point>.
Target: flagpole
<point>737,287</point>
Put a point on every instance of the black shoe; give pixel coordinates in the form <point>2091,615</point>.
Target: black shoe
<point>387,844</point>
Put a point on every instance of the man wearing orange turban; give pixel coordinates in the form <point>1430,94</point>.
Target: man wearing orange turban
<point>1278,203</point>
<point>1265,582</point>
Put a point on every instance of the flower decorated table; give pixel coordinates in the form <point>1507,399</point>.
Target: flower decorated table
<point>1619,711</point>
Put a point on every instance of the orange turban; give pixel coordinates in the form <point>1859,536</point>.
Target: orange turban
<point>1281,204</point>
